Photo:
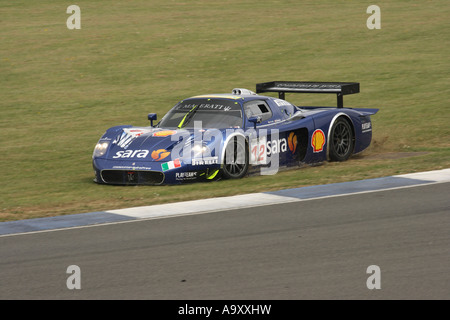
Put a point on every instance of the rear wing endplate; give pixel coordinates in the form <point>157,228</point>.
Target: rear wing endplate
<point>339,88</point>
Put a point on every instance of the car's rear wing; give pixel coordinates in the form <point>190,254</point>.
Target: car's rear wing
<point>339,88</point>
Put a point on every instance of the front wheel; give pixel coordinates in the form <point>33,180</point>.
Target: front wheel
<point>235,164</point>
<point>341,140</point>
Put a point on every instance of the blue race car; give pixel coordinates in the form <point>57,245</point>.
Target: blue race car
<point>209,137</point>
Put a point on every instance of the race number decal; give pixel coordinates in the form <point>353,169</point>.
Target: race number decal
<point>258,151</point>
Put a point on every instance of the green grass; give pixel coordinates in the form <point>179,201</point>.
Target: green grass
<point>61,89</point>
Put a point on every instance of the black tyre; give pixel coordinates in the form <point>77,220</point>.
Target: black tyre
<point>342,141</point>
<point>235,164</point>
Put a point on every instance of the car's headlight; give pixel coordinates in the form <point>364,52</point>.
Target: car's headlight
<point>200,150</point>
<point>100,148</point>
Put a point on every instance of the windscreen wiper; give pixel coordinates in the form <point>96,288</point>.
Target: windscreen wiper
<point>188,116</point>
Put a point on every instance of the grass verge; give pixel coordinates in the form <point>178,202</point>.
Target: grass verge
<point>61,89</point>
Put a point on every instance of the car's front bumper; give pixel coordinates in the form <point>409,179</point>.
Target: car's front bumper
<point>151,173</point>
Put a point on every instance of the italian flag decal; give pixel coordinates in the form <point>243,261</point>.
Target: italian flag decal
<point>171,165</point>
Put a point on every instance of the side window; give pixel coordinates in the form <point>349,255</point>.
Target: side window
<point>257,108</point>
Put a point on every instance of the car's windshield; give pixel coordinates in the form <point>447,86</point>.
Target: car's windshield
<point>212,112</point>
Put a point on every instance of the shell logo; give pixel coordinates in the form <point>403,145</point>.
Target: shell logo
<point>164,133</point>
<point>292,142</point>
<point>318,140</point>
<point>160,154</point>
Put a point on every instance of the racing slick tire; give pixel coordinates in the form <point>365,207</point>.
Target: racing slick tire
<point>342,140</point>
<point>236,163</point>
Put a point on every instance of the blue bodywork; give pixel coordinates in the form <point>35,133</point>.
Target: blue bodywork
<point>285,136</point>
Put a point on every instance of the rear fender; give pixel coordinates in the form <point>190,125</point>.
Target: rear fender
<point>338,115</point>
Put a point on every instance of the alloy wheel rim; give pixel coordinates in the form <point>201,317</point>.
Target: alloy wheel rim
<point>236,166</point>
<point>341,139</point>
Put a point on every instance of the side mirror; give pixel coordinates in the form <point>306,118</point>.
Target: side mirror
<point>255,120</point>
<point>151,117</point>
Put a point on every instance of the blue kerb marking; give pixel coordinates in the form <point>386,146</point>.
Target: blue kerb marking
<point>60,222</point>
<point>347,187</point>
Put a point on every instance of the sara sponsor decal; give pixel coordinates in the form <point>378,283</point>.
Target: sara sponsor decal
<point>171,165</point>
<point>131,154</point>
<point>318,140</point>
<point>160,154</point>
<point>261,149</point>
<point>276,146</point>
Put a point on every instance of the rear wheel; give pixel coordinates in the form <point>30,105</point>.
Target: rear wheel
<point>235,164</point>
<point>341,140</point>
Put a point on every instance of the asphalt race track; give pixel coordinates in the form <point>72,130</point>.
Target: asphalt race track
<point>311,249</point>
